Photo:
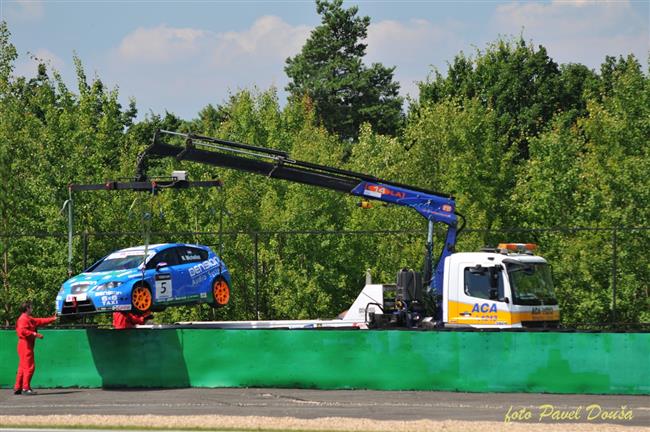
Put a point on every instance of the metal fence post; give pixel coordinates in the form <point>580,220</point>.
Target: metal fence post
<point>84,242</point>
<point>70,228</point>
<point>614,271</point>
<point>257,286</point>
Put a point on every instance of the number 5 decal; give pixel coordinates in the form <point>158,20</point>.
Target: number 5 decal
<point>163,286</point>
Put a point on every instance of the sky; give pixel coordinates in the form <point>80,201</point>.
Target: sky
<point>180,56</point>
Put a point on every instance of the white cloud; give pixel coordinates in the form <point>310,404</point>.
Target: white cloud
<point>268,38</point>
<point>577,31</point>
<point>161,44</point>
<point>171,67</point>
<point>582,3</point>
<point>575,17</point>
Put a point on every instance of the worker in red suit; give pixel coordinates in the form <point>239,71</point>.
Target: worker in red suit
<point>27,330</point>
<point>125,320</point>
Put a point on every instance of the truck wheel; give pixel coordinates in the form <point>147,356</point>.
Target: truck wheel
<point>220,293</point>
<point>141,299</point>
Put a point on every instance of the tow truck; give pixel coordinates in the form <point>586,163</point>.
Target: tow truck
<point>502,287</point>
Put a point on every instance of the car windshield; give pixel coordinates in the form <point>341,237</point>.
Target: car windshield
<point>119,261</point>
<point>531,284</point>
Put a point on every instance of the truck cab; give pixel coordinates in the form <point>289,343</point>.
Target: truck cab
<point>503,287</point>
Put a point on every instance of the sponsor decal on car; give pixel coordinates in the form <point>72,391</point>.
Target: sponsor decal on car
<point>109,300</point>
<point>107,293</point>
<point>203,266</point>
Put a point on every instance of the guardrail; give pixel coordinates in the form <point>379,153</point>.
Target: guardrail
<point>540,362</point>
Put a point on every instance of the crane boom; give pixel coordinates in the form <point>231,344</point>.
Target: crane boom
<point>434,206</point>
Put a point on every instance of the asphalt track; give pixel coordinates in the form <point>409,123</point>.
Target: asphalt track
<point>312,404</point>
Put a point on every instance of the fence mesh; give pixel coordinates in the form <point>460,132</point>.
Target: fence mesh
<point>602,275</point>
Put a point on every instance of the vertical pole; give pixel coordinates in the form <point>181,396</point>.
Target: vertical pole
<point>257,286</point>
<point>221,211</point>
<point>428,259</point>
<point>614,271</point>
<point>70,225</point>
<point>221,233</point>
<point>85,248</point>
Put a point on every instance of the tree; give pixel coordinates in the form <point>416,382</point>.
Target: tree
<point>521,83</point>
<point>50,137</point>
<point>344,91</point>
<point>592,172</point>
<point>8,114</point>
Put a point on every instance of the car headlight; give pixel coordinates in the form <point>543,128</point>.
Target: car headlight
<point>107,286</point>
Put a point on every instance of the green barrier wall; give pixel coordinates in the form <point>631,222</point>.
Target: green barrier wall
<point>617,363</point>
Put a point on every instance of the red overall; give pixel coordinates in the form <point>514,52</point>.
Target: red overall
<point>26,329</point>
<point>124,320</point>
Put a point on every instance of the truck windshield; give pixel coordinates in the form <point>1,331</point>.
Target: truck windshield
<point>118,262</point>
<point>531,284</point>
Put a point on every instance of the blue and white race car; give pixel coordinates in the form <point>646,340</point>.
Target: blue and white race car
<point>127,280</point>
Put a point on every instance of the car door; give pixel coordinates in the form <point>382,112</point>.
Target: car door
<point>482,295</point>
<point>194,273</point>
<point>165,287</point>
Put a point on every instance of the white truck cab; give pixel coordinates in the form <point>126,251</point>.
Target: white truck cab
<point>506,287</point>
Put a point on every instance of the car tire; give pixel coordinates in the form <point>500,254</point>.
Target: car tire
<point>220,293</point>
<point>141,299</point>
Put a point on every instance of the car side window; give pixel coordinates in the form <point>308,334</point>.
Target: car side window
<point>168,256</point>
<point>479,284</point>
<point>188,255</point>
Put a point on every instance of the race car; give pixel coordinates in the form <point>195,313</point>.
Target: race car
<point>127,280</point>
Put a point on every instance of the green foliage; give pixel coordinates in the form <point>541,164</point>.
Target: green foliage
<point>520,83</point>
<point>48,138</point>
<point>594,173</point>
<point>344,91</point>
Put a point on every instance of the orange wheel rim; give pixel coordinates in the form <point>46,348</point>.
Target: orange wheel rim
<point>221,292</point>
<point>141,298</point>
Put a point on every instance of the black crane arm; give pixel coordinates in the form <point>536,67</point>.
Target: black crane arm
<point>434,206</point>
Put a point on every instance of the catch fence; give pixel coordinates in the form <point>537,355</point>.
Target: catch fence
<point>602,274</point>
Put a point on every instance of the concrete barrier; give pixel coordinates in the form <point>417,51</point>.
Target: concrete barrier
<point>545,362</point>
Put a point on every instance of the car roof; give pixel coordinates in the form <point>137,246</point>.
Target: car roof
<point>158,247</point>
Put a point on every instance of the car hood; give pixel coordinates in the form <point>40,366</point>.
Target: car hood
<point>85,281</point>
